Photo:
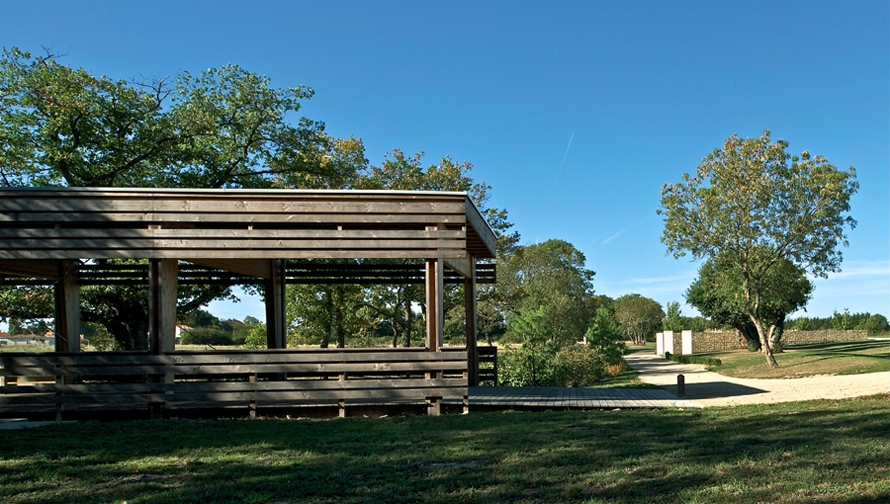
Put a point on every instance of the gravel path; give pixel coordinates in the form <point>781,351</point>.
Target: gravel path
<point>712,389</point>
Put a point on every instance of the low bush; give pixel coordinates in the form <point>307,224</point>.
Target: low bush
<point>207,336</point>
<point>692,359</point>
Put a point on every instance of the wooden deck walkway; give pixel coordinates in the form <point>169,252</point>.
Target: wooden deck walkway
<point>572,398</point>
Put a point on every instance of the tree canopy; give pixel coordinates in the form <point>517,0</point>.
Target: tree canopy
<point>226,127</point>
<point>552,274</point>
<point>638,317</point>
<point>753,205</point>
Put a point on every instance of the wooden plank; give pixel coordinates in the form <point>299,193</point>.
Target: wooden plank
<point>227,244</point>
<point>461,265</point>
<point>244,253</point>
<point>231,233</point>
<point>227,205</point>
<point>31,268</point>
<point>486,235</point>
<point>256,269</point>
<point>229,386</point>
<point>22,360</point>
<point>249,218</point>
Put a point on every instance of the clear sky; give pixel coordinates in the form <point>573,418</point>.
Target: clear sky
<point>575,113</point>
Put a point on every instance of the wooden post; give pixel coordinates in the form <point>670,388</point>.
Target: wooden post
<point>275,305</point>
<point>435,318</point>
<point>163,278</point>
<point>472,344</point>
<point>435,307</point>
<point>67,308</point>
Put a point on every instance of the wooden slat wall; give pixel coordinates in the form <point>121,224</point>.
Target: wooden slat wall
<point>239,224</point>
<point>315,377</point>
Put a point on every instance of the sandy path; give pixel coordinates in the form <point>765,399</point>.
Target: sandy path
<point>711,389</point>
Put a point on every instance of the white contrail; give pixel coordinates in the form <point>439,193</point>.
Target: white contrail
<point>564,159</point>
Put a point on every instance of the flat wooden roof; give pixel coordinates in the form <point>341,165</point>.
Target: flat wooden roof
<point>238,224</point>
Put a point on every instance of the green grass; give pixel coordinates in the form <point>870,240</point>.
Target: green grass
<point>822,451</point>
<point>807,360</point>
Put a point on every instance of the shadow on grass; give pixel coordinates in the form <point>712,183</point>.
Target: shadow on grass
<point>787,453</point>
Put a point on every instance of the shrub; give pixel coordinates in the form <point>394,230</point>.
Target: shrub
<point>256,336</point>
<point>580,366</point>
<point>616,369</point>
<point>207,336</point>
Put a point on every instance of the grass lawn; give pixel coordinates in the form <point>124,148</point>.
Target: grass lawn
<point>807,360</point>
<point>821,451</point>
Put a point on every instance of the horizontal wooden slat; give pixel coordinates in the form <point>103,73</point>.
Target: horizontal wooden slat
<point>250,218</point>
<point>187,254</point>
<point>227,234</point>
<point>227,205</point>
<point>16,360</point>
<point>223,244</point>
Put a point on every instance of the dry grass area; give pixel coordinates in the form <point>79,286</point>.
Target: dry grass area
<point>808,360</point>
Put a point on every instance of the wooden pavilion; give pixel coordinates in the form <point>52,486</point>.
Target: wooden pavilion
<point>59,236</point>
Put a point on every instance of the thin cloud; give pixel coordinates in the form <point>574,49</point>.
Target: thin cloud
<point>628,228</point>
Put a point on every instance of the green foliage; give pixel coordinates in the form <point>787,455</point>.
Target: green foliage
<point>693,359</point>
<point>256,336</point>
<point>579,366</point>
<point>540,362</point>
<point>763,219</point>
<point>97,337</point>
<point>718,294</point>
<point>551,274</point>
<point>223,128</point>
<point>207,336</point>
<point>874,324</point>
<point>535,362</point>
<point>639,317</point>
<point>605,339</point>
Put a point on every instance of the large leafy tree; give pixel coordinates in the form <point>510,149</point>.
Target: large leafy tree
<point>754,205</point>
<point>227,127</point>
<point>551,274</point>
<point>638,317</point>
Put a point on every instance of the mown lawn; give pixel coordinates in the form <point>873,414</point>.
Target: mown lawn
<point>807,360</point>
<point>819,451</point>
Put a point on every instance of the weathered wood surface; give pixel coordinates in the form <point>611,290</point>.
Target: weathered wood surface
<point>68,223</point>
<point>323,377</point>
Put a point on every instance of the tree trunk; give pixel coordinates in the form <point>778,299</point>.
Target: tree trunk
<point>764,344</point>
<point>409,321</point>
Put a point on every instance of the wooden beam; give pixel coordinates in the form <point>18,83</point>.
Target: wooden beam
<point>472,348</point>
<point>38,268</point>
<point>461,265</point>
<point>67,308</point>
<point>253,268</point>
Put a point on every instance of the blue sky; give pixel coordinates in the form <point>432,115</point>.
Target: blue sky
<point>575,113</point>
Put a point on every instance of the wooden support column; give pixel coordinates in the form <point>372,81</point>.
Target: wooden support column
<point>163,277</point>
<point>435,317</point>
<point>67,308</point>
<point>472,344</point>
<point>435,307</point>
<point>163,280</point>
<point>276,305</point>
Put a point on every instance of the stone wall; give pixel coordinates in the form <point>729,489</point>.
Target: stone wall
<point>721,341</point>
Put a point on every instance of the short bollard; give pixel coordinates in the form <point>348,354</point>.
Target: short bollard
<point>681,385</point>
